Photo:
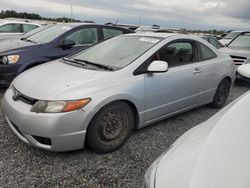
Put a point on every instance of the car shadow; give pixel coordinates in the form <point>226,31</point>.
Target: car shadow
<point>242,83</point>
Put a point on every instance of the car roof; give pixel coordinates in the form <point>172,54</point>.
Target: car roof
<point>76,24</point>
<point>239,31</point>
<point>18,22</point>
<point>151,34</point>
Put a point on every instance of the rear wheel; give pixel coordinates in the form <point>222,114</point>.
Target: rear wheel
<point>110,127</point>
<point>221,94</point>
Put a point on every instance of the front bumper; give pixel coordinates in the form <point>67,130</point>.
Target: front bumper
<point>55,131</point>
<point>240,77</point>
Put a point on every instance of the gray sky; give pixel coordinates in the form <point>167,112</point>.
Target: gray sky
<point>194,14</point>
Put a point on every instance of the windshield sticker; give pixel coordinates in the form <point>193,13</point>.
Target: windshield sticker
<point>67,28</point>
<point>151,40</point>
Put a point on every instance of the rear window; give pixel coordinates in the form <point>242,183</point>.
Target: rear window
<point>232,35</point>
<point>242,41</point>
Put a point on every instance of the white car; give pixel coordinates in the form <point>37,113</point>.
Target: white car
<point>16,27</point>
<point>239,49</point>
<point>230,36</point>
<point>214,154</point>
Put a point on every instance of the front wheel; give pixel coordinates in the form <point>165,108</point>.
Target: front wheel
<point>221,94</point>
<point>110,127</point>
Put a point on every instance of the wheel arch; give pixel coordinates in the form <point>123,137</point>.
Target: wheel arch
<point>113,99</point>
<point>229,78</point>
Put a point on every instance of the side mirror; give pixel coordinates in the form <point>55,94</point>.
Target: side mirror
<point>67,43</point>
<point>158,66</point>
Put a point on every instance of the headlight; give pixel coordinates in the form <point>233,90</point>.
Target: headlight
<point>59,106</point>
<point>10,59</point>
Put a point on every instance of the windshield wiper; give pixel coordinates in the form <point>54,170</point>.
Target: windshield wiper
<point>106,67</point>
<point>72,61</point>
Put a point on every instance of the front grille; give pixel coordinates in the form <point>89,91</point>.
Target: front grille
<point>27,100</point>
<point>17,95</point>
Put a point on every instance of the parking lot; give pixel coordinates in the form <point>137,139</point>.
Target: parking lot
<point>25,166</point>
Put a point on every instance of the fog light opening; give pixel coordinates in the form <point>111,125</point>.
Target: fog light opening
<point>42,140</point>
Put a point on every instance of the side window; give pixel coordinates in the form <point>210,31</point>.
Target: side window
<point>28,27</point>
<point>206,53</point>
<point>10,28</point>
<point>109,33</point>
<point>177,53</point>
<point>84,36</point>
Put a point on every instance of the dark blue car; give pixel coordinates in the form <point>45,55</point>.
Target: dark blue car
<point>18,55</point>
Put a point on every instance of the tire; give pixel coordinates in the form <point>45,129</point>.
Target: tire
<point>110,127</point>
<point>221,94</point>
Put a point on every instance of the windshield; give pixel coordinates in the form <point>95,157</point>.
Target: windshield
<point>119,51</point>
<point>232,35</point>
<point>49,34</point>
<point>242,41</point>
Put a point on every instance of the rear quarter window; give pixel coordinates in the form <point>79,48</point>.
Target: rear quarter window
<point>206,53</point>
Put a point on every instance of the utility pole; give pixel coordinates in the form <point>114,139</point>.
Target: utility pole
<point>71,12</point>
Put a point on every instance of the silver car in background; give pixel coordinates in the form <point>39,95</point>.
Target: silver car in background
<point>13,29</point>
<point>214,154</point>
<point>24,35</point>
<point>101,94</point>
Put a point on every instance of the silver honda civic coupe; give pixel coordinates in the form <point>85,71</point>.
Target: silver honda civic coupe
<point>101,94</point>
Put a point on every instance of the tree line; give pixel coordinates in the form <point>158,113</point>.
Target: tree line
<point>32,16</point>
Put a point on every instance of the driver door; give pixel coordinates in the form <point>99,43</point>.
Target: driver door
<point>179,88</point>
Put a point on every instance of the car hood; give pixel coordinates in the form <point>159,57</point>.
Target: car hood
<point>236,52</point>
<point>4,37</point>
<point>60,81</point>
<point>214,154</point>
<point>13,45</point>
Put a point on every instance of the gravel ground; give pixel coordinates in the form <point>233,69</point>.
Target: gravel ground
<point>25,166</point>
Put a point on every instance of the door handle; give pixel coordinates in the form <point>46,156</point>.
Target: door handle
<point>197,71</point>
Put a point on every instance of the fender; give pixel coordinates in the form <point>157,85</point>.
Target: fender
<point>114,98</point>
